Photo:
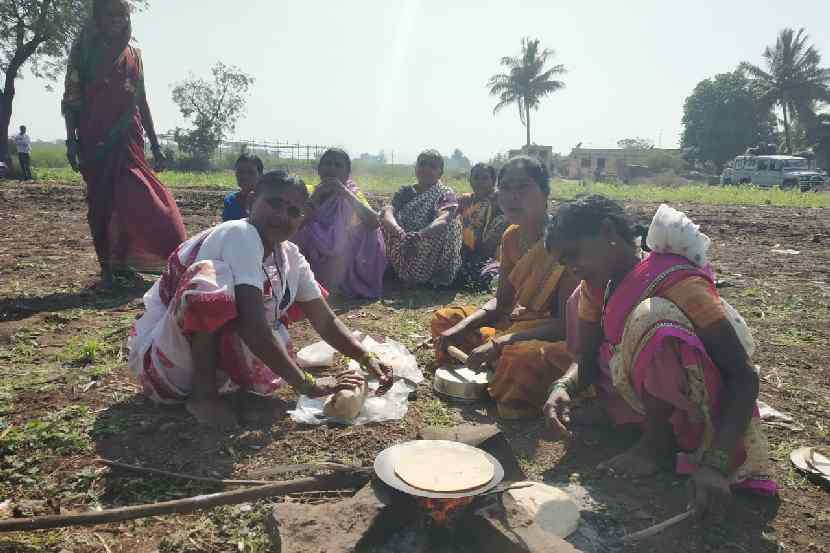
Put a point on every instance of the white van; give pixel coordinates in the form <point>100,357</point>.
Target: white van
<point>782,171</point>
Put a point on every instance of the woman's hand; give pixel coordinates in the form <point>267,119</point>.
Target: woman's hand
<point>382,372</point>
<point>73,154</point>
<point>450,337</point>
<point>345,380</point>
<point>481,357</point>
<point>711,493</point>
<point>557,412</point>
<point>410,244</point>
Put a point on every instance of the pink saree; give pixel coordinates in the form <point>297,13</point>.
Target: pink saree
<point>651,345</point>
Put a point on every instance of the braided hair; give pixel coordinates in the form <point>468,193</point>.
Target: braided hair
<point>583,218</point>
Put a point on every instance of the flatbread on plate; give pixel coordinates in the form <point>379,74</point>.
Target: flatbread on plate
<point>442,469</point>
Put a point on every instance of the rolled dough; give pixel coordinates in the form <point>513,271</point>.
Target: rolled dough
<point>552,509</point>
<point>346,404</point>
<point>441,469</point>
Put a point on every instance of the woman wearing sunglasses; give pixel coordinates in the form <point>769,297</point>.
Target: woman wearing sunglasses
<point>212,322</point>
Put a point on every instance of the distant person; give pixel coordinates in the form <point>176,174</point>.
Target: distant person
<point>421,231</point>
<point>24,153</point>
<point>340,237</point>
<point>482,224</point>
<point>134,220</point>
<point>248,168</point>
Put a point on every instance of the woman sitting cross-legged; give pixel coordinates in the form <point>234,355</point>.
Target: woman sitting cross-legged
<point>248,168</point>
<point>662,349</point>
<point>340,236</point>
<point>212,322</point>
<point>482,225</point>
<point>421,231</point>
<point>520,332</point>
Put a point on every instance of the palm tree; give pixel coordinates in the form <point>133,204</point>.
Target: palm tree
<point>793,79</point>
<point>527,81</point>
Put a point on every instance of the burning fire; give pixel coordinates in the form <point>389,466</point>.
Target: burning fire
<point>442,511</point>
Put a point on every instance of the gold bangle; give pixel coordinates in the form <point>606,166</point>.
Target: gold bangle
<point>307,385</point>
<point>364,361</point>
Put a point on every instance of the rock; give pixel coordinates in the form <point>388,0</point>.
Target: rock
<point>367,518</point>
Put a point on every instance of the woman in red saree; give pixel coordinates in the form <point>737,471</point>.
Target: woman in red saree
<point>134,220</point>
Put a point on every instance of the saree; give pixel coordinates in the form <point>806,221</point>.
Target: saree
<point>482,225</point>
<point>133,219</point>
<point>435,260</point>
<point>650,345</point>
<point>525,369</point>
<point>198,295</point>
<point>344,254</point>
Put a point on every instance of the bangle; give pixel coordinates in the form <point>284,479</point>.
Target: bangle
<point>718,459</point>
<point>307,385</point>
<point>364,361</point>
<point>563,383</point>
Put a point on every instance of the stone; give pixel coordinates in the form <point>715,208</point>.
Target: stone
<point>367,518</point>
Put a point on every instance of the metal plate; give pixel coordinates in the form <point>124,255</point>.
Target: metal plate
<point>448,381</point>
<point>387,459</point>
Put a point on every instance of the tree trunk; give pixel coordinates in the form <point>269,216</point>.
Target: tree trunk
<point>5,121</point>
<point>787,129</point>
<point>527,123</point>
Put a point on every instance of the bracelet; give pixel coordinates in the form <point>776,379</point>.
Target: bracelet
<point>718,459</point>
<point>307,385</point>
<point>563,383</point>
<point>368,356</point>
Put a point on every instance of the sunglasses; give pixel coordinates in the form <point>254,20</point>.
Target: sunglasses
<point>276,203</point>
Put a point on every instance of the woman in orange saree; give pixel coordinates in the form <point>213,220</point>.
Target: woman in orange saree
<point>521,332</point>
<point>134,220</point>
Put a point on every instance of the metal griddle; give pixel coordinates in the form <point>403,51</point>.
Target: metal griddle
<point>387,459</point>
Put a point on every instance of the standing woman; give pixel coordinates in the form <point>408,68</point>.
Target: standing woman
<point>134,220</point>
<point>421,231</point>
<point>340,236</point>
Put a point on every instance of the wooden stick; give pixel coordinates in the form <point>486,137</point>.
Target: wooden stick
<point>457,354</point>
<point>657,528</point>
<point>425,343</point>
<point>283,469</point>
<point>188,505</point>
<point>147,470</point>
<point>101,539</point>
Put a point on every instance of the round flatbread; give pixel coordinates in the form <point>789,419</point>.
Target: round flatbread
<point>553,509</point>
<point>443,469</point>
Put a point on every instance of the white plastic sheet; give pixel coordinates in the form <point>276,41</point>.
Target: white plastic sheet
<point>390,406</point>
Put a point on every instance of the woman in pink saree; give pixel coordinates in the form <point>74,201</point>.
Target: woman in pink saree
<point>341,237</point>
<point>134,221</point>
<point>661,348</point>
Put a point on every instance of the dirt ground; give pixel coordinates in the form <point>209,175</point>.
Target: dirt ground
<point>66,397</point>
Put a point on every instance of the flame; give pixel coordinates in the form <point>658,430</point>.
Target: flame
<point>441,511</point>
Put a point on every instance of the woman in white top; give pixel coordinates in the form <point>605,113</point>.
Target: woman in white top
<point>212,322</point>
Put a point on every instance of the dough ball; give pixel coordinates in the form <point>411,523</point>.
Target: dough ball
<point>346,404</point>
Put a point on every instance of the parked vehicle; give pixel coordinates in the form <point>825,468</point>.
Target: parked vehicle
<point>776,170</point>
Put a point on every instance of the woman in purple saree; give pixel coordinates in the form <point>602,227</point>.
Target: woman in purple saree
<point>662,349</point>
<point>341,238</point>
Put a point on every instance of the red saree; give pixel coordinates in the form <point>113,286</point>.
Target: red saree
<point>133,219</point>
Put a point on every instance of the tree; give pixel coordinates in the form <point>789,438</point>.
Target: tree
<point>214,108</point>
<point>793,79</point>
<point>37,32</point>
<point>722,117</point>
<point>527,81</point>
<point>635,144</point>
<point>458,161</point>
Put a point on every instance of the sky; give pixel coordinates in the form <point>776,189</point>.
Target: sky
<point>406,75</point>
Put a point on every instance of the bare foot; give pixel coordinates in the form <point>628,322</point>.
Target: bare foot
<point>641,460</point>
<point>213,412</point>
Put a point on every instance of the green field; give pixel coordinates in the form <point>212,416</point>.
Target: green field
<point>385,180</point>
